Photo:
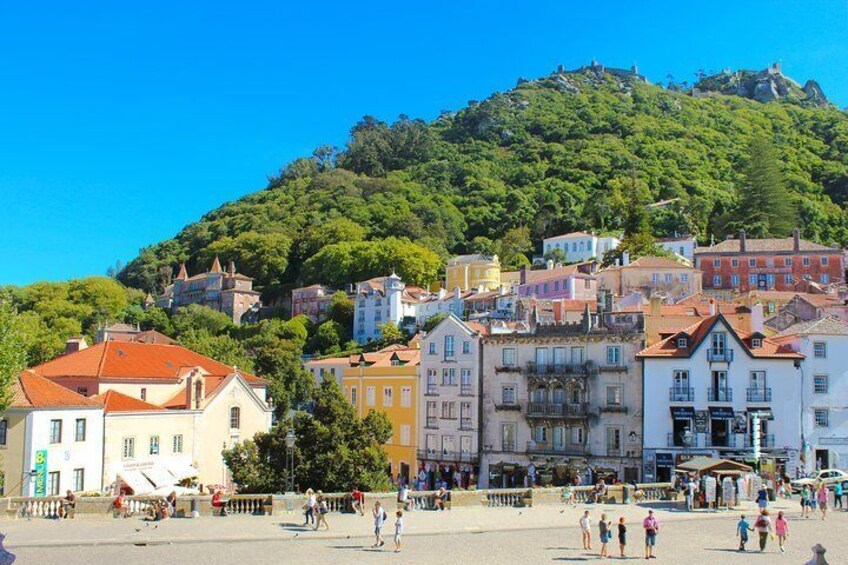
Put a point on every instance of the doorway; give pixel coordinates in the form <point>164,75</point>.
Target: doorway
<point>822,459</point>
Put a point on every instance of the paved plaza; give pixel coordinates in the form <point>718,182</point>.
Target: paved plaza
<point>545,534</point>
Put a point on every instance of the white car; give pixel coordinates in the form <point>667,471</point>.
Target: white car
<point>827,476</point>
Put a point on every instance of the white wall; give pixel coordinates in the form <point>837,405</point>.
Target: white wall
<point>580,247</point>
<point>684,248</point>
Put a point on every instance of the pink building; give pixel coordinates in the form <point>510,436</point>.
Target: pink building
<point>312,301</point>
<point>569,282</point>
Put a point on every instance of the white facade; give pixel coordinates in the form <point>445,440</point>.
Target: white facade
<point>580,246</point>
<point>713,395</point>
<point>449,399</point>
<point>685,247</point>
<point>443,303</point>
<point>70,463</point>
<point>379,301</point>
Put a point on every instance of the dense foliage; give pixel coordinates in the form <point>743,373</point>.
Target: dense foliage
<point>12,353</point>
<point>551,156</point>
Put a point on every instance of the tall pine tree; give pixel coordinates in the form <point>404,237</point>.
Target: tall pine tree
<point>766,208</point>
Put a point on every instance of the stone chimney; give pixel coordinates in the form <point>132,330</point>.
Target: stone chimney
<point>712,306</point>
<point>741,241</point>
<point>625,258</point>
<point>549,264</point>
<point>796,239</point>
<point>75,344</point>
<point>194,390</point>
<point>757,317</point>
<point>231,269</point>
<point>656,305</point>
<point>522,275</point>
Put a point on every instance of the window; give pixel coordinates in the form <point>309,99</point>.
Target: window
<point>820,384</point>
<point>806,261</point>
<point>370,396</point>
<point>734,262</point>
<point>449,347</point>
<point>684,277</point>
<point>432,348</point>
<point>734,280</point>
<point>716,262</point>
<point>667,278</point>
<point>235,418</point>
<point>716,280</point>
<point>682,342</point>
<point>79,434</point>
<point>465,381</point>
<point>353,397</point>
<point>719,341</point>
<point>613,442</point>
<point>388,392</point>
<point>55,431</point>
<point>4,427</point>
<point>822,417</point>
<point>788,279</point>
<point>448,410</point>
<point>545,288</point>
<point>128,451</point>
<point>431,414</point>
<point>466,347</point>
<point>587,284</point>
<point>577,436</point>
<point>82,391</point>
<point>449,377</point>
<point>144,394</point>
<point>556,286</point>
<point>752,262</point>
<point>508,394</point>
<point>404,434</point>
<point>509,357</point>
<point>432,443</point>
<point>79,480</point>
<point>406,397</point>
<point>824,260</point>
<point>820,349</point>
<point>614,395</point>
<point>154,445</point>
<point>655,278</point>
<point>53,483</point>
<point>788,261</point>
<point>824,278</point>
<point>614,355</point>
<point>752,280</point>
<point>177,443</point>
<point>540,434</point>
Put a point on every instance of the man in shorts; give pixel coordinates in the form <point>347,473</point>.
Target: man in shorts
<point>652,528</point>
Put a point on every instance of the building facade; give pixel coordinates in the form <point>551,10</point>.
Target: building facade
<point>569,282</point>
<point>708,387</point>
<point>449,401</point>
<point>580,246</point>
<point>381,300</point>
<point>787,264</point>
<point>562,401</point>
<point>473,272</point>
<point>681,246</point>
<point>649,276</point>
<point>312,301</point>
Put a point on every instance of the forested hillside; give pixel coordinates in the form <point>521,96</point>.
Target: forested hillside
<point>552,155</point>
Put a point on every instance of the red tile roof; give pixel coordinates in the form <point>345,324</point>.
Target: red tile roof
<point>32,391</point>
<point>114,401</point>
<point>134,361</point>
<point>774,245</point>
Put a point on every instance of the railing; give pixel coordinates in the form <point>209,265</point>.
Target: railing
<point>720,394</point>
<point>339,502</point>
<point>536,409</point>
<point>766,441</point>
<point>759,394</point>
<point>720,355</point>
<point>676,440</point>
<point>140,504</point>
<point>465,389</point>
<point>654,491</point>
<point>618,368</point>
<point>254,505</point>
<point>36,507</point>
<point>727,441</point>
<point>437,455</point>
<point>681,394</point>
<point>509,446</point>
<point>551,449</point>
<point>432,422</point>
<point>465,424</point>
<point>534,368</point>
<point>432,390</point>
<point>508,497</point>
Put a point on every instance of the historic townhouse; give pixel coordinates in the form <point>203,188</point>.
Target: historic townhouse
<point>571,282</point>
<point>449,379</point>
<point>562,400</point>
<point>740,265</point>
<point>651,276</point>
<point>580,246</point>
<point>384,299</point>
<point>473,272</point>
<point>312,301</point>
<point>707,387</point>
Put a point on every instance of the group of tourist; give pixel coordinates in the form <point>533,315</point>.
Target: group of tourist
<point>380,518</point>
<point>763,527</point>
<point>650,525</point>
<point>316,509</point>
<point>816,497</point>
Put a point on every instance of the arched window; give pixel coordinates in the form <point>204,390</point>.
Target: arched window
<point>539,395</point>
<point>235,418</point>
<point>559,395</point>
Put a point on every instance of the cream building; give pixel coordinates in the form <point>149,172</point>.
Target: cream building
<point>473,272</point>
<point>649,276</point>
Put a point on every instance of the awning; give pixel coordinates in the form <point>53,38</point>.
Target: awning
<point>721,412</point>
<point>764,413</point>
<point>181,470</point>
<point>159,476</point>
<point>665,460</point>
<point>136,481</point>
<point>682,412</point>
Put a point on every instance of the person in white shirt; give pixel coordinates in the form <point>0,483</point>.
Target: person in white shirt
<point>586,530</point>
<point>398,530</point>
<point>380,518</point>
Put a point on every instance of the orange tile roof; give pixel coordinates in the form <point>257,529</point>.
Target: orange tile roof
<point>114,401</point>
<point>30,390</point>
<point>134,361</point>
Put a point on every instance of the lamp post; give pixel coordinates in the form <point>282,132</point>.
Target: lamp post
<point>290,443</point>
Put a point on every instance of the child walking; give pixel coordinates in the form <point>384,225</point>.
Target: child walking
<point>398,530</point>
<point>604,526</point>
<point>742,529</point>
<point>622,536</point>
<point>586,530</point>
<point>781,528</point>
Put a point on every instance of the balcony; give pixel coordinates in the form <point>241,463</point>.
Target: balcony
<point>548,448</point>
<point>447,456</point>
<point>432,390</point>
<point>555,369</point>
<point>432,422</point>
<point>758,395</point>
<point>728,440</point>
<point>720,355</point>
<point>681,394</point>
<point>676,440</point>
<point>465,389</point>
<point>720,394</point>
<point>465,424</point>
<point>556,410</point>
<point>766,441</point>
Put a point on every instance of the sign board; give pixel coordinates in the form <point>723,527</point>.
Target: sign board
<point>710,489</point>
<point>740,423</point>
<point>649,469</point>
<point>41,473</point>
<point>702,421</point>
<point>833,441</point>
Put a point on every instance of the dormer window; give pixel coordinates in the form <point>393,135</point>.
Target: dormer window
<point>756,342</point>
<point>682,342</point>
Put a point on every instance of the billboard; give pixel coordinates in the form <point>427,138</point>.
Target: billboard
<point>41,472</point>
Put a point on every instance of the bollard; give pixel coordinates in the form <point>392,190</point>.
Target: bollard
<point>195,508</point>
<point>818,556</point>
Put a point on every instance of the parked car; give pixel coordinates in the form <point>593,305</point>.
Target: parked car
<point>827,476</point>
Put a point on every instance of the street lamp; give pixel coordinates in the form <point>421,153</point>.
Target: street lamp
<point>290,443</point>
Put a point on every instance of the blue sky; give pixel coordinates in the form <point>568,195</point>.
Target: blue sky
<point>120,122</point>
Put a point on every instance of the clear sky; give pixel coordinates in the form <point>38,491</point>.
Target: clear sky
<point>120,122</point>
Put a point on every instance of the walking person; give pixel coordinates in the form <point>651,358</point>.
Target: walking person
<point>742,529</point>
<point>309,507</point>
<point>763,527</point>
<point>781,528</point>
<point>604,527</point>
<point>691,486</point>
<point>380,518</point>
<point>806,504</point>
<point>821,498</point>
<point>652,527</point>
<point>321,510</point>
<point>837,496</point>
<point>398,530</point>
<point>586,530</point>
<point>622,537</point>
<point>762,498</point>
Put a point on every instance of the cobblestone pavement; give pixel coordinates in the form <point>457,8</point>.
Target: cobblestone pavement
<point>492,536</point>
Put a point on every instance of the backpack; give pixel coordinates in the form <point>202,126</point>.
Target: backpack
<point>761,522</point>
<point>385,516</point>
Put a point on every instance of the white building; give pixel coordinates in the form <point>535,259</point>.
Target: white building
<point>682,246</point>
<point>703,387</point>
<point>580,246</point>
<point>381,300</point>
<point>823,394</point>
<point>449,399</point>
<point>51,440</point>
<point>443,302</point>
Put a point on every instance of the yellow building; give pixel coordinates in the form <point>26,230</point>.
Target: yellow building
<point>387,380</point>
<point>473,272</point>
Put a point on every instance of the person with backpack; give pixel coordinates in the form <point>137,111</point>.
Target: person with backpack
<point>380,518</point>
<point>321,509</point>
<point>763,527</point>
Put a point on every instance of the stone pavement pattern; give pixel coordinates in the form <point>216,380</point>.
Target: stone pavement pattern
<point>538,535</point>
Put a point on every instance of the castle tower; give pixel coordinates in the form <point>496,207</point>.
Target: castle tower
<point>183,274</point>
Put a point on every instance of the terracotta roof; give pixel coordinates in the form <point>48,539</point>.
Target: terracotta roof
<point>481,329</point>
<point>481,257</point>
<point>696,333</point>
<point>310,287</point>
<point>670,239</point>
<point>132,360</point>
<point>383,357</point>
<point>114,401</point>
<point>328,361</point>
<point>152,336</point>
<point>555,273</point>
<point>825,326</point>
<point>216,266</point>
<point>657,263</point>
<point>573,234</point>
<point>30,390</point>
<point>786,244</point>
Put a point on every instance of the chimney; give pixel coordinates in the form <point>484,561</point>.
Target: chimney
<point>712,305</point>
<point>457,293</point>
<point>75,344</point>
<point>656,305</point>
<point>741,241</point>
<point>231,270</point>
<point>625,258</point>
<point>796,239</point>
<point>549,264</point>
<point>757,317</point>
<point>522,276</point>
<point>189,384</point>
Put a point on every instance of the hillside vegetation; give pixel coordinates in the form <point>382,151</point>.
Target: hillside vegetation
<point>553,155</point>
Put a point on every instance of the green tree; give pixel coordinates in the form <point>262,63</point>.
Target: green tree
<point>328,338</point>
<point>433,321</point>
<point>221,348</point>
<point>341,310</point>
<point>556,255</point>
<point>391,334</point>
<point>279,361</point>
<point>197,317</point>
<point>263,256</point>
<point>513,247</point>
<point>12,353</point>
<point>766,208</point>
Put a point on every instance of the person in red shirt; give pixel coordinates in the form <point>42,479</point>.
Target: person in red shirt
<point>358,498</point>
<point>218,503</point>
